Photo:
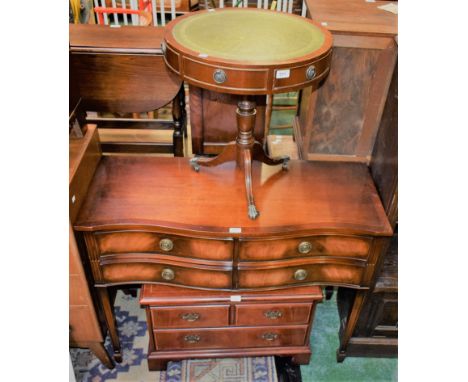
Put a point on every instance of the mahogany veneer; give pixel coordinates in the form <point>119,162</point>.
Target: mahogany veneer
<point>197,324</point>
<point>154,220</point>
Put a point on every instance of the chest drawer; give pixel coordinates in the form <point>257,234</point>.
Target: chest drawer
<point>230,338</point>
<point>121,242</point>
<point>190,316</point>
<point>319,273</point>
<point>277,249</point>
<point>272,314</point>
<point>131,268</point>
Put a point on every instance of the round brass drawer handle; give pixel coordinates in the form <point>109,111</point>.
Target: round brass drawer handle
<point>270,336</point>
<point>166,245</point>
<point>273,314</point>
<point>190,317</point>
<point>300,274</point>
<point>304,247</point>
<point>192,338</point>
<point>310,72</point>
<point>167,274</point>
<point>219,76</point>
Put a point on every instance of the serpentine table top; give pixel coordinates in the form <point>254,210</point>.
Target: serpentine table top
<point>165,193</point>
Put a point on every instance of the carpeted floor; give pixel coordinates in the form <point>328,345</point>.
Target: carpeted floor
<point>323,366</point>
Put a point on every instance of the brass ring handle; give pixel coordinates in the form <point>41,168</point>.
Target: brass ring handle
<point>270,336</point>
<point>190,317</point>
<point>167,274</point>
<point>192,338</point>
<point>273,314</point>
<point>166,245</point>
<point>300,274</point>
<point>304,247</point>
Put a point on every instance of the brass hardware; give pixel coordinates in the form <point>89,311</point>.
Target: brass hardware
<point>273,314</point>
<point>192,338</point>
<point>270,336</point>
<point>300,274</point>
<point>168,274</point>
<point>310,72</point>
<point>304,247</point>
<point>166,245</point>
<point>190,317</point>
<point>219,76</point>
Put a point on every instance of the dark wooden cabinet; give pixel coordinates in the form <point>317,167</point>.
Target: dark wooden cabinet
<point>204,324</point>
<point>339,119</point>
<point>376,333</point>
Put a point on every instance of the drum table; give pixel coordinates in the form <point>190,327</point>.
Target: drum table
<point>246,52</point>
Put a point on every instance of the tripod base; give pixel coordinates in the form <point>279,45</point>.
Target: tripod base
<point>243,151</point>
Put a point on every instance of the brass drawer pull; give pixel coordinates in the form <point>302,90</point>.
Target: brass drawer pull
<point>190,317</point>
<point>192,338</point>
<point>166,245</point>
<point>273,314</point>
<point>167,274</point>
<point>310,72</point>
<point>219,76</point>
<point>304,247</point>
<point>300,274</point>
<point>270,336</point>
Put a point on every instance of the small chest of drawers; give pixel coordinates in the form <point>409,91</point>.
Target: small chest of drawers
<point>185,323</point>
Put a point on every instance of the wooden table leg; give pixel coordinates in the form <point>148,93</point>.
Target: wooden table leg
<point>100,351</point>
<point>361,296</point>
<point>111,324</point>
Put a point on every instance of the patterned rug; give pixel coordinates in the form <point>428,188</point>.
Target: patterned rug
<point>131,320</point>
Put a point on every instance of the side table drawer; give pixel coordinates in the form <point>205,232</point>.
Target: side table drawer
<point>343,246</point>
<point>126,242</point>
<point>272,314</point>
<point>230,338</point>
<point>190,316</point>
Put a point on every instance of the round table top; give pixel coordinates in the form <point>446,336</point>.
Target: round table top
<point>249,35</point>
<point>247,50</point>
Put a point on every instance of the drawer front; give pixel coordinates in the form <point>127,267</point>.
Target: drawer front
<point>190,316</point>
<point>230,338</point>
<point>168,274</point>
<point>221,77</point>
<point>121,242</point>
<point>302,274</point>
<point>273,314</point>
<point>356,247</point>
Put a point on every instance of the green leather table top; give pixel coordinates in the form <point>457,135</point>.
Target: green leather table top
<point>249,35</point>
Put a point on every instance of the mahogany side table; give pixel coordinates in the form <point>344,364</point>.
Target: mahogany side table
<point>246,52</point>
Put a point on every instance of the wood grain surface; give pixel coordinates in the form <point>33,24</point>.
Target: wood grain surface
<point>311,197</point>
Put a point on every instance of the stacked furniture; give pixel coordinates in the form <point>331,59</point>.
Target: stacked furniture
<point>152,220</point>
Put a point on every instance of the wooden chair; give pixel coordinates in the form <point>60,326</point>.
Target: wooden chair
<point>121,70</point>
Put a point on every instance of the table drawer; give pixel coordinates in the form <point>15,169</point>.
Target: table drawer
<point>272,314</point>
<point>230,338</point>
<point>349,275</point>
<point>346,246</point>
<point>131,268</point>
<point>190,316</point>
<point>121,242</point>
